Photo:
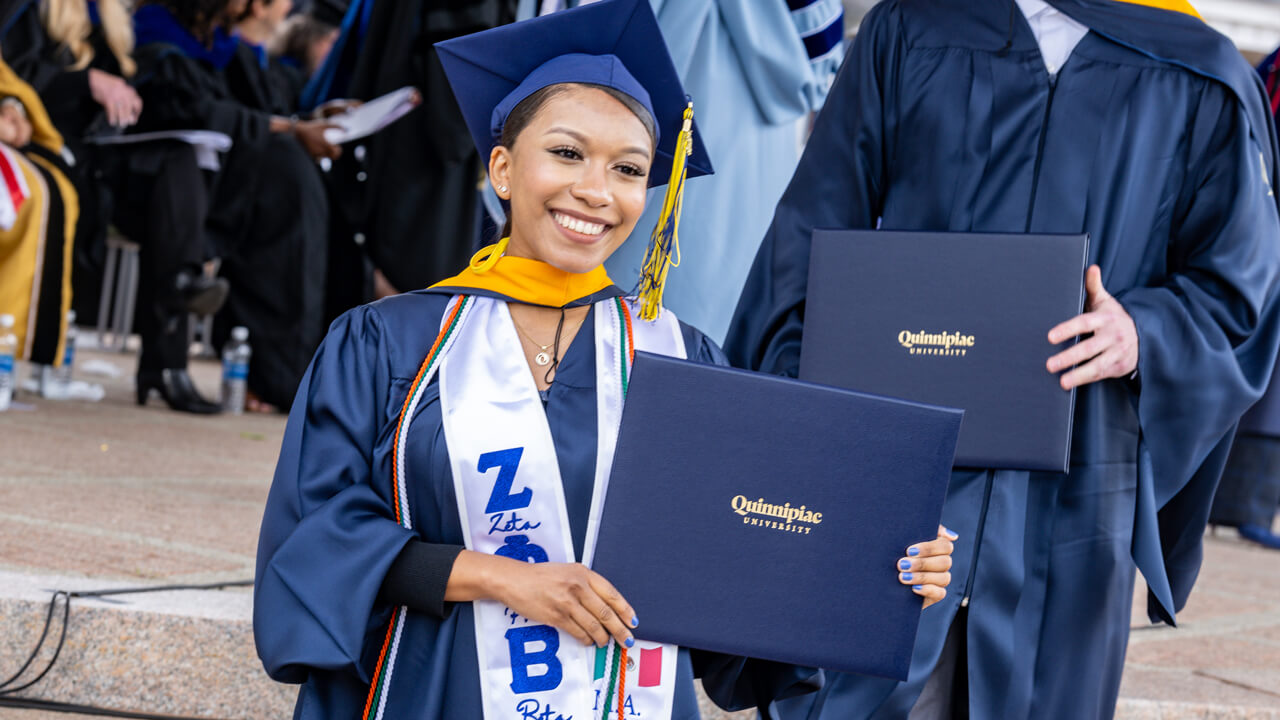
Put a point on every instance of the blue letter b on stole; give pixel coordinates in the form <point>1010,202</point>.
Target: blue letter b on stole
<point>522,659</point>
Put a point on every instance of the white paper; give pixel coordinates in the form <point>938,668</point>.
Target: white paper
<point>219,142</point>
<point>207,143</point>
<point>369,118</point>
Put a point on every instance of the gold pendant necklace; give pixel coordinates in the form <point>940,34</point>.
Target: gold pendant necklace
<point>543,358</point>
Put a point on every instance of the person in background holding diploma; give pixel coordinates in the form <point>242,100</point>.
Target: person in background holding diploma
<point>183,53</point>
<point>480,413</point>
<point>1133,122</point>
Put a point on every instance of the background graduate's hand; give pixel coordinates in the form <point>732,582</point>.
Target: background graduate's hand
<point>1111,348</point>
<point>568,596</point>
<point>927,567</point>
<point>311,134</point>
<point>335,107</point>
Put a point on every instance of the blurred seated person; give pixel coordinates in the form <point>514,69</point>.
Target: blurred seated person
<point>76,54</point>
<point>264,213</point>
<point>257,28</point>
<point>304,42</point>
<point>38,212</point>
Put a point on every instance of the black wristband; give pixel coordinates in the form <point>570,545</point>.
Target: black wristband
<point>419,576</point>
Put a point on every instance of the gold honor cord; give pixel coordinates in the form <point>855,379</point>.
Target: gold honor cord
<point>665,239</point>
<point>488,256</point>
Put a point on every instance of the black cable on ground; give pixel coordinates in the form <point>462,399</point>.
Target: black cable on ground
<point>32,657</point>
<point>159,588</point>
<point>62,638</point>
<point>53,706</point>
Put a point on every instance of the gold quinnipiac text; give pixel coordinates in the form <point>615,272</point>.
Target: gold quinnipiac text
<point>785,517</point>
<point>943,343</point>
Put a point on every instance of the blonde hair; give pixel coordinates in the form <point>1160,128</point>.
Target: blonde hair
<point>67,22</point>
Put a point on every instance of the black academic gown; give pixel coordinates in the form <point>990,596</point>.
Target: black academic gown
<point>268,212</point>
<point>428,156</point>
<point>270,216</point>
<point>330,535</point>
<point>1154,140</point>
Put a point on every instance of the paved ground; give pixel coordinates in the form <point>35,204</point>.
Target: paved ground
<point>115,493</point>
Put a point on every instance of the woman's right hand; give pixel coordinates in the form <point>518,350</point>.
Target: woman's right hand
<point>568,596</point>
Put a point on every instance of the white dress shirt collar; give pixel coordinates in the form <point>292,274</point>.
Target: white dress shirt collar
<point>1055,33</point>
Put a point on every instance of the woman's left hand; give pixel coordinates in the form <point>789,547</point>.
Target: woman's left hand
<point>927,567</point>
<point>117,97</point>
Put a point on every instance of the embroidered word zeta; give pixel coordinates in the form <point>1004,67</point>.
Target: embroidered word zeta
<point>944,343</point>
<point>789,519</point>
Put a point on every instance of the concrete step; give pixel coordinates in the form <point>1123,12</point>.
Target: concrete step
<point>190,653</point>
<point>179,653</point>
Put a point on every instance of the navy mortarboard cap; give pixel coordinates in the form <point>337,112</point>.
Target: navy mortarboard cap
<point>605,70</point>
<point>614,43</point>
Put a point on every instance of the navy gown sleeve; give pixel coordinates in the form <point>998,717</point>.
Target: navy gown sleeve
<point>1207,334</point>
<point>845,158</point>
<point>328,536</point>
<point>700,348</point>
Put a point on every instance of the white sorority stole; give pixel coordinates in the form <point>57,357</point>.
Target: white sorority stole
<point>511,503</point>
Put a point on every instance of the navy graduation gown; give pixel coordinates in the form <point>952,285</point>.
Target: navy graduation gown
<point>1153,139</point>
<point>329,533</point>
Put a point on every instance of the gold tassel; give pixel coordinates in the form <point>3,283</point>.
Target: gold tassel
<point>665,240</point>
<point>488,256</point>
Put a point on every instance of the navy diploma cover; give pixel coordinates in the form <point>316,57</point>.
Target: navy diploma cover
<point>956,319</point>
<point>761,516</point>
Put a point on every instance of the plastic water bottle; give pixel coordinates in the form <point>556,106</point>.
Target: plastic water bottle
<point>62,373</point>
<point>8,354</point>
<point>235,370</point>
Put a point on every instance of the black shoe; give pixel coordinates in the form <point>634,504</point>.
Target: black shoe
<point>175,386</point>
<point>198,293</point>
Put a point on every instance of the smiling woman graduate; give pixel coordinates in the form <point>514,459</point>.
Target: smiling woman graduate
<point>435,486</point>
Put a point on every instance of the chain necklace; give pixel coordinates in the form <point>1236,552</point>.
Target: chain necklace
<point>544,358</point>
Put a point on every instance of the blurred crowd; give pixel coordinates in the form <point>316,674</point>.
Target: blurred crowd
<point>285,230</point>
<point>78,75</point>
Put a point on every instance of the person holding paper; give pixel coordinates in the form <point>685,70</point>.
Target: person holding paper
<point>169,199</point>
<point>1136,123</point>
<point>478,413</point>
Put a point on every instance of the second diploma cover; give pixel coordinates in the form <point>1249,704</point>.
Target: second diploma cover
<point>756,515</point>
<point>955,319</point>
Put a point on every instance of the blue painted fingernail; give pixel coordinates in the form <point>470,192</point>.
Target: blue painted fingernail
<point>634,621</point>
<point>917,587</point>
<point>913,551</point>
<point>630,641</point>
<point>950,534</point>
<point>906,577</point>
<point>904,564</point>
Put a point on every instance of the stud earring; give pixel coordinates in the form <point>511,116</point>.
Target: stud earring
<point>502,188</point>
